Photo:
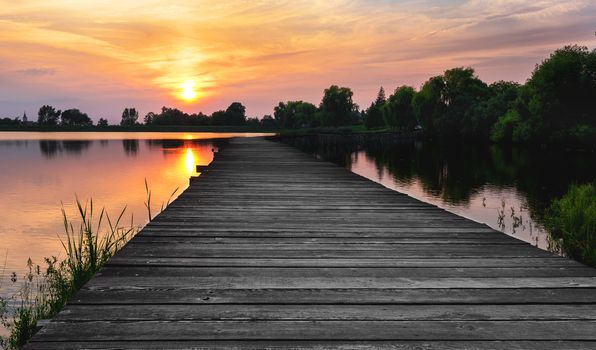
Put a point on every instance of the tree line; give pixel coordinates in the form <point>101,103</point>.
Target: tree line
<point>557,104</point>
<point>234,115</point>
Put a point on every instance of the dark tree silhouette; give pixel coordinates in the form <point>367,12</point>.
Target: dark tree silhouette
<point>398,112</point>
<point>102,122</point>
<point>337,107</point>
<point>373,117</point>
<point>48,115</point>
<point>236,114</point>
<point>130,116</point>
<point>295,114</point>
<point>74,117</point>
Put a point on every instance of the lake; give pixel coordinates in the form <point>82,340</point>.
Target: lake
<point>507,189</point>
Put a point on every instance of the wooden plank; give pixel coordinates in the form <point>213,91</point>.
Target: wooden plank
<point>357,252</point>
<point>284,312</point>
<point>331,231</point>
<point>123,294</point>
<point>371,241</point>
<point>328,280</point>
<point>320,345</point>
<point>321,330</point>
<point>123,260</point>
<point>261,274</point>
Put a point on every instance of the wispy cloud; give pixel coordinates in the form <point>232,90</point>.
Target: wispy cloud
<point>37,71</point>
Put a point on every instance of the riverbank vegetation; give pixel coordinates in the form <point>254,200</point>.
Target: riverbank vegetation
<point>573,223</point>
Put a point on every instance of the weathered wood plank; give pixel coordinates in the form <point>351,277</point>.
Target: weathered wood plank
<point>206,312</point>
<point>321,330</point>
<point>122,294</point>
<point>123,260</point>
<point>328,280</point>
<point>320,345</point>
<point>261,274</point>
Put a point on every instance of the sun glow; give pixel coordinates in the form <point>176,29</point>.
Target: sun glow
<point>188,91</point>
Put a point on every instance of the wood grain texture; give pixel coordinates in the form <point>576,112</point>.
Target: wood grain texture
<point>271,248</point>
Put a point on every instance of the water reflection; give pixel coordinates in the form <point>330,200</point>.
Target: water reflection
<point>131,147</point>
<point>506,188</point>
<point>52,148</point>
<point>190,160</point>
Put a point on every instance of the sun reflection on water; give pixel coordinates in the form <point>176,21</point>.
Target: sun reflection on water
<point>190,160</point>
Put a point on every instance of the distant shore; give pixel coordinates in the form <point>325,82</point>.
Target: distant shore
<point>343,130</point>
<point>139,128</point>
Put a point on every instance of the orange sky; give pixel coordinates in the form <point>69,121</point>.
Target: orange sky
<point>102,56</point>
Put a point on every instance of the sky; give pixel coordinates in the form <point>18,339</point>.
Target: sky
<point>103,56</point>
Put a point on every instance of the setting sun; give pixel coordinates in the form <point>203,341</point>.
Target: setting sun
<point>188,91</point>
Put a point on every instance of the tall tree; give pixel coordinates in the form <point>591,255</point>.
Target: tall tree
<point>398,112</point>
<point>462,92</point>
<point>381,99</point>
<point>295,114</point>
<point>48,115</point>
<point>337,107</point>
<point>130,116</point>
<point>373,117</point>
<point>445,103</point>
<point>560,95</point>
<point>236,114</point>
<point>74,117</point>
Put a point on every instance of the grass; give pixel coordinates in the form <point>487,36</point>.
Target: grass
<point>572,219</point>
<point>45,290</point>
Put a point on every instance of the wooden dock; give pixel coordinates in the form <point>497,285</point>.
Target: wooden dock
<point>271,248</point>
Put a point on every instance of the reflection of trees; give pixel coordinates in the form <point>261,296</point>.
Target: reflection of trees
<point>454,172</point>
<point>131,147</point>
<point>164,143</point>
<point>51,148</point>
<point>75,146</point>
<point>173,144</point>
<point>334,148</point>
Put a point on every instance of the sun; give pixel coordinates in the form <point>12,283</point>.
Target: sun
<point>188,91</point>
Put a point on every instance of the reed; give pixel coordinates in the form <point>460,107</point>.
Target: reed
<point>88,247</point>
<point>44,291</point>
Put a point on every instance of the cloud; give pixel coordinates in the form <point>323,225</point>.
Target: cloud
<point>37,71</point>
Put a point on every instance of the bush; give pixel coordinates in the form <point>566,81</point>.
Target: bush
<point>573,222</point>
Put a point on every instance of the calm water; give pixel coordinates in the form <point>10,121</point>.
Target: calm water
<point>38,171</point>
<point>506,188</point>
